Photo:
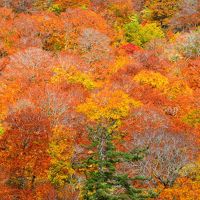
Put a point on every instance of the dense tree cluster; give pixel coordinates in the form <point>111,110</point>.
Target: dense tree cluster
<point>99,100</point>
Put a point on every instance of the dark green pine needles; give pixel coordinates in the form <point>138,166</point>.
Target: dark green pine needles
<point>103,182</point>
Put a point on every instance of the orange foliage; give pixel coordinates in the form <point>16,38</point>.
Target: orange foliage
<point>64,61</point>
<point>183,189</point>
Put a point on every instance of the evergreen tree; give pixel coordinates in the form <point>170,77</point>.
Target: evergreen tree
<point>103,181</point>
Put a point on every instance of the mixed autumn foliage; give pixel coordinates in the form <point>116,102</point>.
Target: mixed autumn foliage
<point>99,99</point>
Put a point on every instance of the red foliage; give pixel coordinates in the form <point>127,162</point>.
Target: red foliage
<point>131,48</point>
<point>34,44</point>
<point>24,157</point>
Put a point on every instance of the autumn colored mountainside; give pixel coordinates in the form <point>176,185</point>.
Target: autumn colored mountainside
<point>99,99</point>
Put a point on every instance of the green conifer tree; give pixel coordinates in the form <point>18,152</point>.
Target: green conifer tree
<point>103,181</point>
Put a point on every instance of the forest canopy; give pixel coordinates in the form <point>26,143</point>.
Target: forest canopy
<point>99,100</point>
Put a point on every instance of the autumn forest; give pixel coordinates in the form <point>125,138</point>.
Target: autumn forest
<point>99,99</point>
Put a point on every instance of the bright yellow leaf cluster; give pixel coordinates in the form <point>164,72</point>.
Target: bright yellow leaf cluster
<point>108,105</point>
<point>192,170</point>
<point>160,82</point>
<point>120,62</point>
<point>154,79</point>
<point>1,129</point>
<point>192,118</point>
<point>178,88</point>
<point>61,152</point>
<point>72,75</point>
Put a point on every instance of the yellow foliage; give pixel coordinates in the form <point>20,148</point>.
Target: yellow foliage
<point>108,105</point>
<point>1,129</point>
<point>72,75</point>
<point>154,79</point>
<point>192,118</point>
<point>61,152</point>
<point>120,62</point>
<point>192,170</point>
<point>178,88</point>
<point>160,82</point>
